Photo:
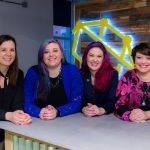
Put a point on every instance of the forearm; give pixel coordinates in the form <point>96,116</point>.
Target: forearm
<point>8,116</point>
<point>32,110</point>
<point>123,112</point>
<point>69,108</point>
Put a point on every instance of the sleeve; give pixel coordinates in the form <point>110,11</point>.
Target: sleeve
<point>75,94</point>
<point>122,109</point>
<point>2,114</point>
<point>111,99</point>
<point>30,92</point>
<point>84,101</point>
<point>17,98</point>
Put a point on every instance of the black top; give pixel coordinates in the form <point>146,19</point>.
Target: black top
<point>56,96</point>
<point>106,99</point>
<point>11,99</point>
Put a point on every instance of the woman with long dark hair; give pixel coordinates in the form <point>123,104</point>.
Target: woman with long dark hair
<point>100,81</point>
<point>11,85</point>
<point>53,87</point>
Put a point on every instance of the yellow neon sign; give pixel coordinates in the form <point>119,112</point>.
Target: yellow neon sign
<point>103,24</point>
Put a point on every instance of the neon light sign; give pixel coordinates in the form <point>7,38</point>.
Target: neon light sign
<point>104,24</point>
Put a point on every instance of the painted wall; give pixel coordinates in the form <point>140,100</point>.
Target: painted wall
<point>30,26</point>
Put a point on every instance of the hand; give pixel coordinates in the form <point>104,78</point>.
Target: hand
<point>18,117</point>
<point>88,110</point>
<point>48,113</point>
<point>27,119</point>
<point>138,115</point>
<point>92,110</point>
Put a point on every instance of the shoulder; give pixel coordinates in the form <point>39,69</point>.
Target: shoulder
<point>115,74</point>
<point>69,67</point>
<point>32,72</point>
<point>20,77</point>
<point>20,73</point>
<point>130,73</point>
<point>129,76</point>
<point>33,69</point>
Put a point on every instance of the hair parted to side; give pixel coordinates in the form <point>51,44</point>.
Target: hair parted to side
<point>143,48</point>
<point>44,83</point>
<point>41,63</point>
<point>104,74</point>
<point>13,69</point>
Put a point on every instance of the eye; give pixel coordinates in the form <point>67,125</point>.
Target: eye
<point>99,56</point>
<point>55,50</point>
<point>3,49</point>
<point>12,50</point>
<point>91,55</point>
<point>148,58</point>
<point>138,57</point>
<point>45,52</point>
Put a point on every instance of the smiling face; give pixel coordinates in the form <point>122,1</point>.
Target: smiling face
<point>52,55</point>
<point>95,58</point>
<point>7,54</point>
<point>142,63</point>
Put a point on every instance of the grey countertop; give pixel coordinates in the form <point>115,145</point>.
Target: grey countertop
<point>77,132</point>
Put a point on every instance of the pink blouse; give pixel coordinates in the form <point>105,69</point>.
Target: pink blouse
<point>131,93</point>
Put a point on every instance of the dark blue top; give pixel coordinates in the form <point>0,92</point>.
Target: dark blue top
<point>73,87</point>
<point>106,99</point>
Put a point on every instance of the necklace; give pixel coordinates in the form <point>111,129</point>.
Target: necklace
<point>54,82</point>
<point>145,89</point>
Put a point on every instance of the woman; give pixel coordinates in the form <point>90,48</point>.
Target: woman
<point>133,90</point>
<point>52,87</point>
<point>11,85</point>
<point>100,81</point>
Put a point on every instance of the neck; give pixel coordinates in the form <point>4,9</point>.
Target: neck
<point>144,76</point>
<point>54,71</point>
<point>93,77</point>
<point>3,69</point>
<point>93,73</point>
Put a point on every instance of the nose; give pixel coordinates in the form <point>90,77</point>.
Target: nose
<point>144,60</point>
<point>50,54</point>
<point>8,53</point>
<point>95,59</point>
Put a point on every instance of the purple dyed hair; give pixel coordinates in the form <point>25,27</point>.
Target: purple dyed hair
<point>44,83</point>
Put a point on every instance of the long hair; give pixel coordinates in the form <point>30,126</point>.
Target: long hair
<point>143,48</point>
<point>44,83</point>
<point>13,68</point>
<point>104,74</point>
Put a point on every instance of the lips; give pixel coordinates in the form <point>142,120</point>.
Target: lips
<point>143,66</point>
<point>94,64</point>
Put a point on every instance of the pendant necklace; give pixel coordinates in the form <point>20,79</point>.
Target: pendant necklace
<point>145,89</point>
<point>54,82</point>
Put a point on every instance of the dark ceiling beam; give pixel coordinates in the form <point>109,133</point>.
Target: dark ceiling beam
<point>23,4</point>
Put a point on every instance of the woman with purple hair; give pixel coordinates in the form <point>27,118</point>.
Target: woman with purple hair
<point>100,81</point>
<point>52,87</point>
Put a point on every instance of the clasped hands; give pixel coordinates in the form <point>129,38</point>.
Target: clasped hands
<point>92,110</point>
<point>48,113</point>
<point>18,117</point>
<point>138,115</point>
